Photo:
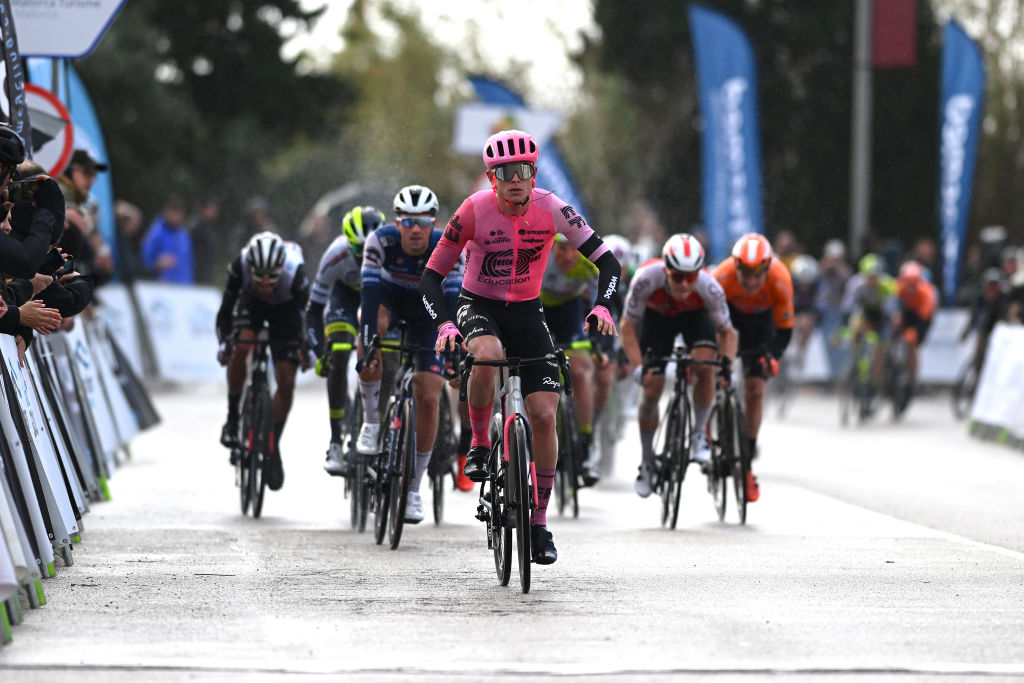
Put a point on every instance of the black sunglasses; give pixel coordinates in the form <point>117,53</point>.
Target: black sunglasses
<point>506,171</point>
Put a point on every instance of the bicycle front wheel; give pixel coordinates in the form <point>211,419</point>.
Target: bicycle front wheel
<point>520,496</point>
<point>404,451</point>
<point>722,456</point>
<point>382,482</point>
<point>244,458</point>
<point>963,391</point>
<point>679,449</point>
<point>500,524</point>
<point>262,445</point>
<point>354,483</point>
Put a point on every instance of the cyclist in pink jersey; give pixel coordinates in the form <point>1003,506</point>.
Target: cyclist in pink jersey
<point>507,232</point>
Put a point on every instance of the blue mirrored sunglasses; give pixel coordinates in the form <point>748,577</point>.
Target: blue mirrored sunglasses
<point>506,171</point>
<point>422,222</point>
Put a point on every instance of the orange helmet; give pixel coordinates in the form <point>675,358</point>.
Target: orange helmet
<point>911,273</point>
<point>752,254</point>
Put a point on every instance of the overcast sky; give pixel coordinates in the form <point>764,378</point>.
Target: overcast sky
<point>537,30</point>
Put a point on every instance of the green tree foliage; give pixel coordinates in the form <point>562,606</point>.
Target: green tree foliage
<point>195,98</point>
<point>804,58</point>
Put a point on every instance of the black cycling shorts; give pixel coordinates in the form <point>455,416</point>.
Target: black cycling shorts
<point>520,326</point>
<point>658,335</point>
<point>756,331</point>
<point>913,320</point>
<point>284,321</point>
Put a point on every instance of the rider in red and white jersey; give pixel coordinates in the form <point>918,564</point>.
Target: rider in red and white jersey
<point>507,232</point>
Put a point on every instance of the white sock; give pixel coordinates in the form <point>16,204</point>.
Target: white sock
<point>371,395</point>
<point>422,460</point>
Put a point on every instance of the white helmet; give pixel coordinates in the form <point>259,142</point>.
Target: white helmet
<point>620,248</point>
<point>804,269</point>
<point>416,199</point>
<point>683,252</point>
<point>265,255</point>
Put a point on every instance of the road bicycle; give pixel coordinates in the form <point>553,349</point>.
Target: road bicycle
<point>569,471</point>
<point>508,494</point>
<point>355,482</point>
<point>442,461</point>
<point>856,394</point>
<point>391,470</point>
<point>896,374</point>
<point>255,438</point>
<point>730,448</point>
<point>966,385</point>
<point>675,432</point>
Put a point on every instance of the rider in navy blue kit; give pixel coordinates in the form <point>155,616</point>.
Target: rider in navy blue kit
<point>393,262</point>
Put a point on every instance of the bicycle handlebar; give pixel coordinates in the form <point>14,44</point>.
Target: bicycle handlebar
<point>514,364</point>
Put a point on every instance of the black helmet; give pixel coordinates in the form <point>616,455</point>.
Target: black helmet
<point>12,147</point>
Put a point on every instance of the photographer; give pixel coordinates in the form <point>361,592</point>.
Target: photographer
<point>36,209</point>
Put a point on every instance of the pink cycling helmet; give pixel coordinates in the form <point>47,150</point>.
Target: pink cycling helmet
<point>510,145</point>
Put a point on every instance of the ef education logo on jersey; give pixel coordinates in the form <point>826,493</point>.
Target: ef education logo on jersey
<point>499,263</point>
<point>575,220</point>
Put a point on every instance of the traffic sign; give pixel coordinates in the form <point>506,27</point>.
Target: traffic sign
<point>53,136</point>
<point>62,29</point>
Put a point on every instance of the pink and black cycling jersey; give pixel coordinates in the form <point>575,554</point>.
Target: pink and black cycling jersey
<point>506,255</point>
<point>647,291</point>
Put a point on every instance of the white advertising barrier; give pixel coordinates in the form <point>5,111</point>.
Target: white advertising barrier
<point>84,365</point>
<point>182,325</point>
<point>116,309</point>
<point>999,400</point>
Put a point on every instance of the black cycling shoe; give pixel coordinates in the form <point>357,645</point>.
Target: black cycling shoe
<point>590,475</point>
<point>273,473</point>
<point>543,545</point>
<point>476,463</point>
<point>229,434</point>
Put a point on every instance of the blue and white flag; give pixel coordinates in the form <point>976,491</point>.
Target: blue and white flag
<point>731,144</point>
<point>552,173</point>
<point>963,90</point>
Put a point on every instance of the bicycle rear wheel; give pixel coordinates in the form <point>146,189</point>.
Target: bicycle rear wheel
<point>442,457</point>
<point>569,447</point>
<point>722,454</point>
<point>404,457</point>
<point>520,497</point>
<point>500,526</point>
<point>262,445</point>
<point>739,454</point>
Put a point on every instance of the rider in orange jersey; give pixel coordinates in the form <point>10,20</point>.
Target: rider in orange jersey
<point>918,300</point>
<point>759,291</point>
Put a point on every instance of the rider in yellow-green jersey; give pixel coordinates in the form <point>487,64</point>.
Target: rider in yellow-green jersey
<point>569,285</point>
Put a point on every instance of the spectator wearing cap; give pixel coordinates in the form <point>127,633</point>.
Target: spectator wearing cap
<point>167,248</point>
<point>78,178</point>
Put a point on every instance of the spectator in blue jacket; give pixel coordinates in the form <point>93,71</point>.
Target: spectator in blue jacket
<point>167,249</point>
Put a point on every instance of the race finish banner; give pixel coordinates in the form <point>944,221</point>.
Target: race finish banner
<point>552,173</point>
<point>12,76</point>
<point>963,90</point>
<point>731,143</point>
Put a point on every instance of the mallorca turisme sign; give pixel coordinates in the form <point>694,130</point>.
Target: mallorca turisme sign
<point>62,28</point>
